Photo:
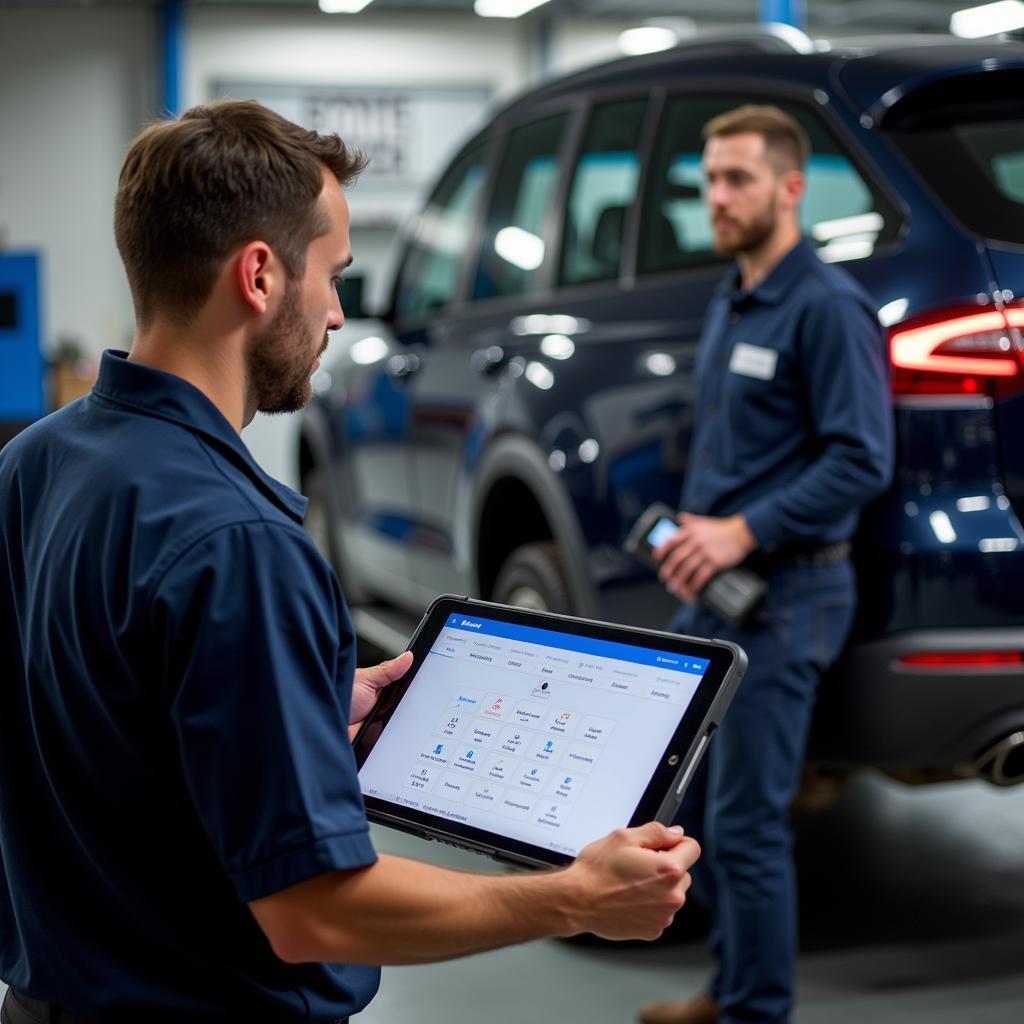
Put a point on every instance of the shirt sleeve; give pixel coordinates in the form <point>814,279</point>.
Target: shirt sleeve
<point>258,668</point>
<point>845,372</point>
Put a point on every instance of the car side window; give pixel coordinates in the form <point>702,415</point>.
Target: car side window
<point>841,211</point>
<point>514,244</point>
<point>440,237</point>
<point>604,187</point>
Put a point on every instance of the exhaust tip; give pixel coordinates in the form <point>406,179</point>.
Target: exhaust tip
<point>1003,763</point>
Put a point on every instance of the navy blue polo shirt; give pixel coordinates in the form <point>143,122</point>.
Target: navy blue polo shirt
<point>177,673</point>
<point>793,421</point>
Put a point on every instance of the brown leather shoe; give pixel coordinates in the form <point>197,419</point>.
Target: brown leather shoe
<point>700,1009</point>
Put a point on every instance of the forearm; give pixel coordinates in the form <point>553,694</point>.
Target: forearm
<point>829,488</point>
<point>403,912</point>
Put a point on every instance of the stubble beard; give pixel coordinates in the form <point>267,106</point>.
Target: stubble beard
<point>279,361</point>
<point>748,237</point>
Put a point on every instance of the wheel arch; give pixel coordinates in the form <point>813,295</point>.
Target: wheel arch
<point>518,499</point>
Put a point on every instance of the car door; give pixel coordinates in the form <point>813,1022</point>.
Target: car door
<point>435,379</point>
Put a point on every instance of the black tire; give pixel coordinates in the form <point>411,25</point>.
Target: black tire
<point>318,515</point>
<point>533,576</point>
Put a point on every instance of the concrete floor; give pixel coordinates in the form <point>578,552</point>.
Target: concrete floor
<point>912,911</point>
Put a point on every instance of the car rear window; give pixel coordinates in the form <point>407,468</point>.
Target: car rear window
<point>842,211</point>
<point>965,137</point>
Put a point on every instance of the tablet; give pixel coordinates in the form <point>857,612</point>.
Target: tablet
<point>526,735</point>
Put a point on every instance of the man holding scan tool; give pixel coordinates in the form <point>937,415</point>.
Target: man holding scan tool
<point>182,834</point>
<point>792,438</point>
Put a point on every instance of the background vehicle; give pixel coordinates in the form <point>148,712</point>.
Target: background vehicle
<point>531,391</point>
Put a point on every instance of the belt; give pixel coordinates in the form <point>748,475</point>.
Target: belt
<point>801,556</point>
<point>22,1009</point>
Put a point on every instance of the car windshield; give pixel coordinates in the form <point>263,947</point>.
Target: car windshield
<point>965,136</point>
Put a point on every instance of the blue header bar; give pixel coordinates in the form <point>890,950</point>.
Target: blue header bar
<point>580,644</point>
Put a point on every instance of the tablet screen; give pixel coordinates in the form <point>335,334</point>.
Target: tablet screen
<point>548,738</point>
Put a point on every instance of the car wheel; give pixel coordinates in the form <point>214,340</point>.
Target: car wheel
<point>533,577</point>
<point>318,522</point>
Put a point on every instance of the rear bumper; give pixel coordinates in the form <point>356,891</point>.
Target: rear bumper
<point>874,711</point>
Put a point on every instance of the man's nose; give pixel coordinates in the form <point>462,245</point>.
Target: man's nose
<point>335,315</point>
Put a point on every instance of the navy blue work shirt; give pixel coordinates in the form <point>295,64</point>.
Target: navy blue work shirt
<point>793,421</point>
<point>177,664</point>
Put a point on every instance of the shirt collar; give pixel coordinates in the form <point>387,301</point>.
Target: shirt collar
<point>782,279</point>
<point>150,392</point>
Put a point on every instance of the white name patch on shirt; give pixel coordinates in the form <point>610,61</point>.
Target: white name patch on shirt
<point>753,361</point>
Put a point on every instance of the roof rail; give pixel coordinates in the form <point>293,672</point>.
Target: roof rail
<point>772,37</point>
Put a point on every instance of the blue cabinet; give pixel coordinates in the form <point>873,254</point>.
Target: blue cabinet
<point>21,361</point>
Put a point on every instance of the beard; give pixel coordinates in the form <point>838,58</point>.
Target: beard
<point>746,237</point>
<point>279,361</point>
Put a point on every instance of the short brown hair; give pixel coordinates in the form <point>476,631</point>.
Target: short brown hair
<point>786,143</point>
<point>195,188</point>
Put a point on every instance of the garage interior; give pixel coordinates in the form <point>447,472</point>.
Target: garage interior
<point>912,897</point>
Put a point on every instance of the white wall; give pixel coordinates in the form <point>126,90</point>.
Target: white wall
<point>75,85</point>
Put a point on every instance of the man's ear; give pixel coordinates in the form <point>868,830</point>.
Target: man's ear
<point>257,272</point>
<point>791,188</point>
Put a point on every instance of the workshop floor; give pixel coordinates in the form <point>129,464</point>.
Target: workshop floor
<point>912,911</point>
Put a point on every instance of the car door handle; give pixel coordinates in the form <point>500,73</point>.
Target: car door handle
<point>488,360</point>
<point>403,364</point>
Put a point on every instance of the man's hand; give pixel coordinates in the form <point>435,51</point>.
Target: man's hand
<point>701,547</point>
<point>632,882</point>
<point>368,684</point>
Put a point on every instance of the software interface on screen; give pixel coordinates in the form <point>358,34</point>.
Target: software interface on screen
<point>544,737</point>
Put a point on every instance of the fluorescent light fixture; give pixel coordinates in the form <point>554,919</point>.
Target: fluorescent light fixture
<point>893,312</point>
<point>648,39</point>
<point>520,248</point>
<point>942,527</point>
<point>342,6</point>
<point>978,504</point>
<point>855,247</point>
<point>368,351</point>
<point>841,227</point>
<point>993,545</point>
<point>505,8</point>
<point>557,346</point>
<point>988,19</point>
<point>540,376</point>
<point>660,364</point>
<point>544,323</point>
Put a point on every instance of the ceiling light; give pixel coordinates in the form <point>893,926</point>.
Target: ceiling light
<point>649,39</point>
<point>987,20</point>
<point>942,527</point>
<point>368,351</point>
<point>505,8</point>
<point>893,312</point>
<point>342,6</point>
<point>557,346</point>
<point>520,248</point>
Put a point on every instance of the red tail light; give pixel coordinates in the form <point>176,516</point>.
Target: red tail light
<point>959,352</point>
<point>961,659</point>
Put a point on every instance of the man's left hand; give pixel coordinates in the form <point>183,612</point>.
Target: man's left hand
<point>702,547</point>
<point>368,684</point>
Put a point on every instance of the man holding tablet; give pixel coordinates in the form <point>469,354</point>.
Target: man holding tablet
<point>182,833</point>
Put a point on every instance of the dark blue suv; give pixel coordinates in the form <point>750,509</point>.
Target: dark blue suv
<point>530,390</point>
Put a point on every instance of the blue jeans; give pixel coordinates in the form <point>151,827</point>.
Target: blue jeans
<point>738,803</point>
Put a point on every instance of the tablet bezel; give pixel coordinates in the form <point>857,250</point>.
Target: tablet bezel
<point>675,765</point>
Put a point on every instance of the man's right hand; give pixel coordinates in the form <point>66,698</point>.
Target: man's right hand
<point>628,885</point>
<point>632,882</point>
